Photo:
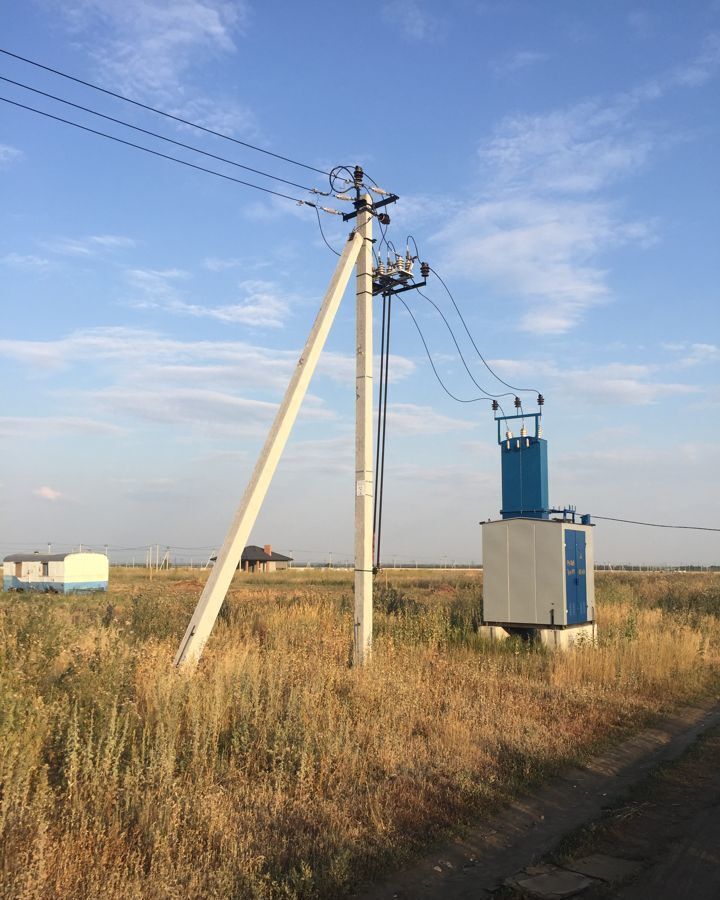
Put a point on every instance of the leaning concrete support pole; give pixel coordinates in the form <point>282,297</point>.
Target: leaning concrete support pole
<point>222,573</point>
<point>364,442</point>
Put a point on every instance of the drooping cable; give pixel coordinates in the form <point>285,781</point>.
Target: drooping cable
<point>460,353</point>
<point>322,234</point>
<point>382,427</point>
<point>432,364</point>
<point>161,112</point>
<point>656,524</point>
<point>157,153</point>
<point>477,350</point>
<point>160,137</point>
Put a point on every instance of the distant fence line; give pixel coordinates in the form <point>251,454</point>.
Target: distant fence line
<point>164,556</point>
<point>190,563</point>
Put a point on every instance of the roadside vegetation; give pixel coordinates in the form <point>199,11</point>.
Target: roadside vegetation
<point>276,770</point>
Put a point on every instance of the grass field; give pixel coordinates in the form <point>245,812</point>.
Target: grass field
<point>276,770</point>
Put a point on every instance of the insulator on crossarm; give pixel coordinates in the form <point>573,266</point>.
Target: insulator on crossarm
<point>540,400</point>
<point>425,270</point>
<point>518,403</point>
<point>495,404</point>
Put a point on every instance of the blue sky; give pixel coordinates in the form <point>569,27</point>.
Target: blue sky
<point>557,165</point>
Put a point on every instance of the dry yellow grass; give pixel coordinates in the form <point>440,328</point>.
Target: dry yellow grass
<point>278,771</point>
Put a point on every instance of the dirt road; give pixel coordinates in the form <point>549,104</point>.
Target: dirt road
<point>533,826</point>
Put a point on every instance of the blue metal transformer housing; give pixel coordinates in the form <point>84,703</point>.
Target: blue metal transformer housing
<point>524,478</point>
<point>524,472</point>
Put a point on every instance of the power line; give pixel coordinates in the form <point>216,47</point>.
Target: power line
<point>160,137</point>
<point>382,425</point>
<point>427,350</point>
<point>656,524</point>
<point>161,112</point>
<point>175,159</point>
<point>322,233</point>
<point>472,341</point>
<point>460,353</point>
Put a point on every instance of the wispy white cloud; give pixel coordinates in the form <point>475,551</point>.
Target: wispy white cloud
<point>217,264</point>
<point>541,231</point>
<point>541,250</point>
<point>579,149</point>
<point>44,427</point>
<point>48,493</point>
<point>9,154</point>
<point>148,48</point>
<point>641,22</point>
<point>24,261</point>
<point>413,20</point>
<point>216,387</point>
<point>88,246</point>
<point>411,419</point>
<point>520,59</point>
<point>690,354</point>
<point>614,383</point>
<point>262,304</point>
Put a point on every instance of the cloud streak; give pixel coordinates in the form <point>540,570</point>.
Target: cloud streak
<point>149,48</point>
<point>541,232</point>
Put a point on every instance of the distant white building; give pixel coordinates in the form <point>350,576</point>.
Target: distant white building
<point>60,572</point>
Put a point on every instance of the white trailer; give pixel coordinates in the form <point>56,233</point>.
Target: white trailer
<point>62,573</point>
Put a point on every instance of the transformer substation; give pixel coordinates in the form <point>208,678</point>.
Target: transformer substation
<point>538,562</point>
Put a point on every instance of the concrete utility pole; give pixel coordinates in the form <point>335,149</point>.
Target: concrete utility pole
<point>364,440</point>
<point>217,585</point>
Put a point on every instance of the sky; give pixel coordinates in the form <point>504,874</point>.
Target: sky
<point>556,164</point>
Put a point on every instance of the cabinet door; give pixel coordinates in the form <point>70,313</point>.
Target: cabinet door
<point>575,576</point>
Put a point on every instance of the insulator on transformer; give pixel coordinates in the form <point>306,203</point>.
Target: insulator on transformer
<point>381,268</point>
<point>495,404</point>
<point>540,400</point>
<point>518,403</point>
<point>523,431</point>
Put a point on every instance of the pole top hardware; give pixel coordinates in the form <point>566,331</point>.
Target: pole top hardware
<point>361,204</point>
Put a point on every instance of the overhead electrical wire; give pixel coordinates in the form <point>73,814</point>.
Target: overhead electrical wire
<point>160,112</point>
<point>161,137</point>
<point>322,233</point>
<point>381,427</point>
<point>472,341</point>
<point>656,524</point>
<point>429,356</point>
<point>166,156</point>
<point>460,353</point>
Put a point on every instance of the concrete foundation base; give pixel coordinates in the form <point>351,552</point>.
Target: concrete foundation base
<point>552,638</point>
<point>493,633</point>
<point>564,638</point>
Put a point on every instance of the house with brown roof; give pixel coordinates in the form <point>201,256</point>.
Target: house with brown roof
<point>261,559</point>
